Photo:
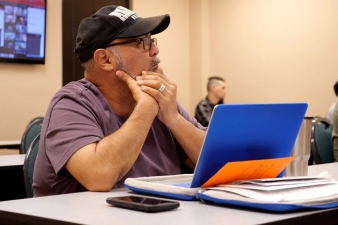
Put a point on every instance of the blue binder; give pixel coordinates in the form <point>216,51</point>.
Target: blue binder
<point>273,207</point>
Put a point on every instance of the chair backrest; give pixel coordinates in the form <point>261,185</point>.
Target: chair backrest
<point>321,142</point>
<point>28,166</point>
<point>32,130</point>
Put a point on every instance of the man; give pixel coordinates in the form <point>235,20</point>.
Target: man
<point>216,93</point>
<point>329,114</point>
<point>122,120</point>
<point>335,133</point>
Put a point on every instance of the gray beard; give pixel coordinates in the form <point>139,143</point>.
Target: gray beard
<point>121,66</point>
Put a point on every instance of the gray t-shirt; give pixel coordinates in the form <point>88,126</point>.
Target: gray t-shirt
<point>79,115</point>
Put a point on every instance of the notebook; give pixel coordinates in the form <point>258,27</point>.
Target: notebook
<point>236,133</point>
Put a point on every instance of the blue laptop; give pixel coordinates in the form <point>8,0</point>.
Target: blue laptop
<point>236,132</point>
<point>239,132</point>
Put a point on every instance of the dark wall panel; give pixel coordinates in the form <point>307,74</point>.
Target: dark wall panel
<point>73,11</point>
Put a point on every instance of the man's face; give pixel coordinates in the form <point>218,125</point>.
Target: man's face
<point>220,90</point>
<point>133,59</point>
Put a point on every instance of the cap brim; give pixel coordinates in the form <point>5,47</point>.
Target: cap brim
<point>142,26</point>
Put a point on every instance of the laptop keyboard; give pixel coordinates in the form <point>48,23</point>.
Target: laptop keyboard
<point>183,184</point>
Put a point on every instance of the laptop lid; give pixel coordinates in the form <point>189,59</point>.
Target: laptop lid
<point>239,132</point>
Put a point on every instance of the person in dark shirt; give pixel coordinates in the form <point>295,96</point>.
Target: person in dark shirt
<point>329,114</point>
<point>216,93</point>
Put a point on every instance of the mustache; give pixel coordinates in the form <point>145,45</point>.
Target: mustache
<point>156,61</point>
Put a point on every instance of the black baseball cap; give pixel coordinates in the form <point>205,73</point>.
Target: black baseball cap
<point>112,22</point>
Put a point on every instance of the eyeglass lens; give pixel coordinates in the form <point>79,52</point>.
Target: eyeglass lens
<point>147,42</point>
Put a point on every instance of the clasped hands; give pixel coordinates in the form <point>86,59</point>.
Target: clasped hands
<point>155,88</point>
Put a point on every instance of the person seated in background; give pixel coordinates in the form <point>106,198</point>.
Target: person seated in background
<point>329,114</point>
<point>122,120</point>
<point>216,93</point>
<point>335,133</point>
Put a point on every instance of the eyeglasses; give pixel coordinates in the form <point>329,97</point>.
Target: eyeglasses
<point>147,42</point>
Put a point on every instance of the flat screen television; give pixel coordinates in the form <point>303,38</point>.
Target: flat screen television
<point>23,31</point>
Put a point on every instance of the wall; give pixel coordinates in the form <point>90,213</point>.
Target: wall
<point>199,51</point>
<point>267,50</point>
<point>276,50</point>
<point>25,90</point>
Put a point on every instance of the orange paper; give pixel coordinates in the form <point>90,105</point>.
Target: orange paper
<point>245,170</point>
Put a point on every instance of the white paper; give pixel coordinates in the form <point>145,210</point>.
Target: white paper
<point>283,189</point>
<point>284,186</point>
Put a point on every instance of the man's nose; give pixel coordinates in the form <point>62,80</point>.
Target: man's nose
<point>154,50</point>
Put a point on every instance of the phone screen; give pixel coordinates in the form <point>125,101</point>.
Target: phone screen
<point>143,203</point>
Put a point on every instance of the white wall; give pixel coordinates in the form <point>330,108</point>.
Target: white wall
<point>276,50</point>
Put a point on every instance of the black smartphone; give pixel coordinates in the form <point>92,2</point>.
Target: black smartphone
<point>143,203</point>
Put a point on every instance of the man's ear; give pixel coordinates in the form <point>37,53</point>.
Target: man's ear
<point>101,57</point>
<point>213,87</point>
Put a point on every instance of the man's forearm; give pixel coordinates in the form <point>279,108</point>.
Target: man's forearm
<point>190,137</point>
<point>99,166</point>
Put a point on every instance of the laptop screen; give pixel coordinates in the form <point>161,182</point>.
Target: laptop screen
<point>240,132</point>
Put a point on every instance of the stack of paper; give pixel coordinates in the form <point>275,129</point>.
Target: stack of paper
<point>296,190</point>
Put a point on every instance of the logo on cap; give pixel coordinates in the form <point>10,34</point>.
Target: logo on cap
<point>123,13</point>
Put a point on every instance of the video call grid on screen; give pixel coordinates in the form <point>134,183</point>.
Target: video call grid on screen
<point>22,29</point>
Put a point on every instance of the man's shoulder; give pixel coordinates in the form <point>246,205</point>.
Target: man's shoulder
<point>204,103</point>
<point>76,93</point>
<point>78,85</point>
<point>77,88</point>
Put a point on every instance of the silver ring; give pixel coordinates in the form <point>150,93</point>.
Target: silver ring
<point>161,89</point>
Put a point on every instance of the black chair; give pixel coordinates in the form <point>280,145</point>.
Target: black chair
<point>32,130</point>
<point>28,166</point>
<point>321,142</point>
